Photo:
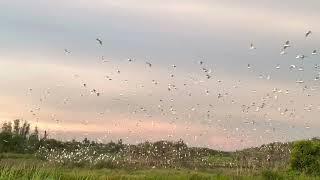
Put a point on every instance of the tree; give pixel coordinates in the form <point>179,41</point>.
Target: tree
<point>24,130</point>
<point>16,126</point>
<point>86,141</point>
<point>5,139</point>
<point>45,136</point>
<point>36,132</point>
<point>7,127</point>
<point>33,141</point>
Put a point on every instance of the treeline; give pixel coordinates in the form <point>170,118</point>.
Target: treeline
<point>17,137</point>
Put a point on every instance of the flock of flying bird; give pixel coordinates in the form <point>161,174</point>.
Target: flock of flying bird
<point>208,71</point>
<point>244,108</point>
<point>299,56</point>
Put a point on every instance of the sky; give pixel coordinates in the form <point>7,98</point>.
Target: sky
<point>252,96</point>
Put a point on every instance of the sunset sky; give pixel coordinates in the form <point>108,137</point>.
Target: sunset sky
<point>237,107</point>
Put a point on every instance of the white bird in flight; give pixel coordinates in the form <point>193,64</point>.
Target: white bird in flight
<point>99,41</point>
<point>286,45</point>
<point>299,81</point>
<point>308,33</point>
<point>149,64</point>
<point>252,47</point>
<point>283,52</point>
<point>301,56</point>
<point>292,66</point>
<point>314,52</point>
<point>67,51</point>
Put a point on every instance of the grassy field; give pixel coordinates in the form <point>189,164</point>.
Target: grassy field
<point>17,166</point>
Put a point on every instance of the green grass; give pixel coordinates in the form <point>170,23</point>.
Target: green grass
<point>21,167</point>
<point>79,174</point>
<point>220,160</point>
<point>16,156</point>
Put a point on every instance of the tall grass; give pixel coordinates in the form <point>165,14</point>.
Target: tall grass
<point>20,167</point>
<point>59,173</point>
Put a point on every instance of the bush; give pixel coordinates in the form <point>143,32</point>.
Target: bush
<point>305,157</point>
<point>271,175</point>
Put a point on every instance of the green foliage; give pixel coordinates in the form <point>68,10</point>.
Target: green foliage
<point>305,157</point>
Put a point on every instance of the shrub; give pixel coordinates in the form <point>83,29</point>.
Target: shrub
<point>305,157</point>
